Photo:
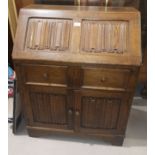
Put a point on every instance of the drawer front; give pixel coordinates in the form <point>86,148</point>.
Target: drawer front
<point>45,74</point>
<point>103,77</point>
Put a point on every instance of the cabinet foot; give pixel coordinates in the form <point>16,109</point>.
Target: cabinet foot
<point>117,140</point>
<point>36,133</point>
<point>33,134</point>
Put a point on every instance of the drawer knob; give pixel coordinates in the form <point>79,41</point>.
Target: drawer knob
<point>70,112</point>
<point>77,113</point>
<point>45,75</point>
<point>103,79</point>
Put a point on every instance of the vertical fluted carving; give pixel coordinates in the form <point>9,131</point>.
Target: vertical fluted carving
<point>104,36</point>
<point>50,34</point>
<point>48,108</point>
<point>100,113</point>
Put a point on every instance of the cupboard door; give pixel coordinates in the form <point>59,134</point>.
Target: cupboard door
<point>49,107</point>
<point>98,111</point>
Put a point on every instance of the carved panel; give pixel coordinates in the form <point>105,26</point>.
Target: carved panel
<point>49,108</point>
<point>104,36</point>
<point>100,113</point>
<point>48,34</point>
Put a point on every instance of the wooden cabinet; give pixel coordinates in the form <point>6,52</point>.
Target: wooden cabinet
<point>57,96</point>
<point>77,70</point>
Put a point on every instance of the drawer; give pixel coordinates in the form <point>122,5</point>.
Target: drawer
<point>106,77</point>
<point>45,74</point>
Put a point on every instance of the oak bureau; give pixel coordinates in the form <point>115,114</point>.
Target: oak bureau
<point>77,69</point>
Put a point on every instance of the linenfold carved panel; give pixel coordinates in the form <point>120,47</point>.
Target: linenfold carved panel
<point>104,36</point>
<point>48,34</point>
<point>49,108</point>
<point>104,112</point>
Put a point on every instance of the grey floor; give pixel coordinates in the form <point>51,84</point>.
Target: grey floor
<point>135,142</point>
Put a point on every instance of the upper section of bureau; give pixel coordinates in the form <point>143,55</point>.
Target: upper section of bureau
<point>94,35</point>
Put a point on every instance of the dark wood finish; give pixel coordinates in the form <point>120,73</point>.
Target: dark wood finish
<point>99,110</point>
<point>17,114</point>
<point>75,76</point>
<point>45,74</point>
<point>103,77</point>
<point>68,88</point>
<point>10,46</point>
<point>143,69</point>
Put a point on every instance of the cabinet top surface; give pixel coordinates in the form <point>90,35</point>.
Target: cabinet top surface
<point>79,34</point>
<point>80,8</point>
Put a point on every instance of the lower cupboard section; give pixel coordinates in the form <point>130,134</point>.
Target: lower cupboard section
<point>76,112</point>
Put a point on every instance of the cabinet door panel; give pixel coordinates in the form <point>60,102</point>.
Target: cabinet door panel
<point>99,110</point>
<point>49,106</point>
<point>99,113</point>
